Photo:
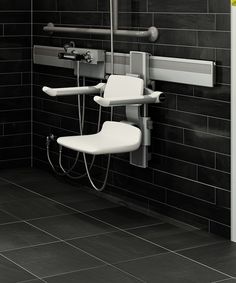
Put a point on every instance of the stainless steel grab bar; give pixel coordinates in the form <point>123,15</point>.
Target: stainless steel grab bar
<point>151,33</point>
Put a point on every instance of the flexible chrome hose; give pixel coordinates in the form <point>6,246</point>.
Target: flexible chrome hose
<point>68,171</point>
<point>81,119</point>
<point>112,72</point>
<point>81,126</point>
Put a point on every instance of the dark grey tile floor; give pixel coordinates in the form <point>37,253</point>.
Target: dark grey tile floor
<point>51,231</point>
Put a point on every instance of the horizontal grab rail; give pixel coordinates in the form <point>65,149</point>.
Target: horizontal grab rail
<point>151,33</point>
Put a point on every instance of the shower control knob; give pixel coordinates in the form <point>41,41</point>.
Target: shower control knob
<point>87,57</point>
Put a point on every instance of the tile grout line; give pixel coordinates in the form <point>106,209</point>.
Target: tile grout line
<point>224,280</point>
<point>28,271</point>
<point>199,263</point>
<point>91,255</point>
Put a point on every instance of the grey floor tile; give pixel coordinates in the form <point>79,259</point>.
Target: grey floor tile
<point>123,217</point>
<point>117,246</point>
<point>9,193</point>
<point>72,226</point>
<point>71,196</point>
<point>6,218</point>
<point>106,274</point>
<point>92,204</point>
<point>220,256</point>
<point>20,175</point>
<point>81,200</point>
<point>17,235</point>
<point>49,187</point>
<point>31,281</point>
<point>34,208</point>
<point>52,259</point>
<point>11,273</point>
<point>38,180</point>
<point>174,237</point>
<point>172,268</point>
<point>226,281</point>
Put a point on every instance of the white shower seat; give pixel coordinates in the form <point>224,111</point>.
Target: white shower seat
<point>114,137</point>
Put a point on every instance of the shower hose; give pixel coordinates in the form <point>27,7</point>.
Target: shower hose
<point>81,114</point>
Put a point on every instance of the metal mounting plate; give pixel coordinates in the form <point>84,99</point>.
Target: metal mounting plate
<point>185,71</point>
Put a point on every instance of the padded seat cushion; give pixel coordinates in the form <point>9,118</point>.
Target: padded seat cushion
<point>114,137</point>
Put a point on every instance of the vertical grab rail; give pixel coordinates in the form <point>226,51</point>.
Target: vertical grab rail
<point>233,121</point>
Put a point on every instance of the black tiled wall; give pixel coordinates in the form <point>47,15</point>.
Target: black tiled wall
<point>188,177</point>
<point>15,82</point>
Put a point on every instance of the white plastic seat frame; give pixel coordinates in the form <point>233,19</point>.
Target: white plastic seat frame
<point>114,137</point>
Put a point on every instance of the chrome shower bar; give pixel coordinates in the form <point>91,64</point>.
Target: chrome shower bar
<point>151,33</point>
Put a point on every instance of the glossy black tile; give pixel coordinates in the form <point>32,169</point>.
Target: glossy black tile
<point>167,132</point>
<point>223,198</point>
<point>177,37</point>
<point>199,207</point>
<point>223,57</point>
<point>71,5</point>
<point>214,39</point>
<point>15,60</point>
<point>219,127</point>
<point>184,152</point>
<point>135,186</point>
<point>205,107</point>
<point>220,229</point>
<point>223,22</point>
<point>219,92</point>
<point>45,5</point>
<point>187,52</point>
<point>214,177</point>
<point>207,141</point>
<point>183,6</point>
<point>217,6</point>
<point>174,166</point>
<point>186,21</point>
<point>223,162</point>
<point>179,119</point>
<point>188,187</point>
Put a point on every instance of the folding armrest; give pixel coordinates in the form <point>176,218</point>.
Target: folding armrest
<point>154,97</point>
<point>74,90</point>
